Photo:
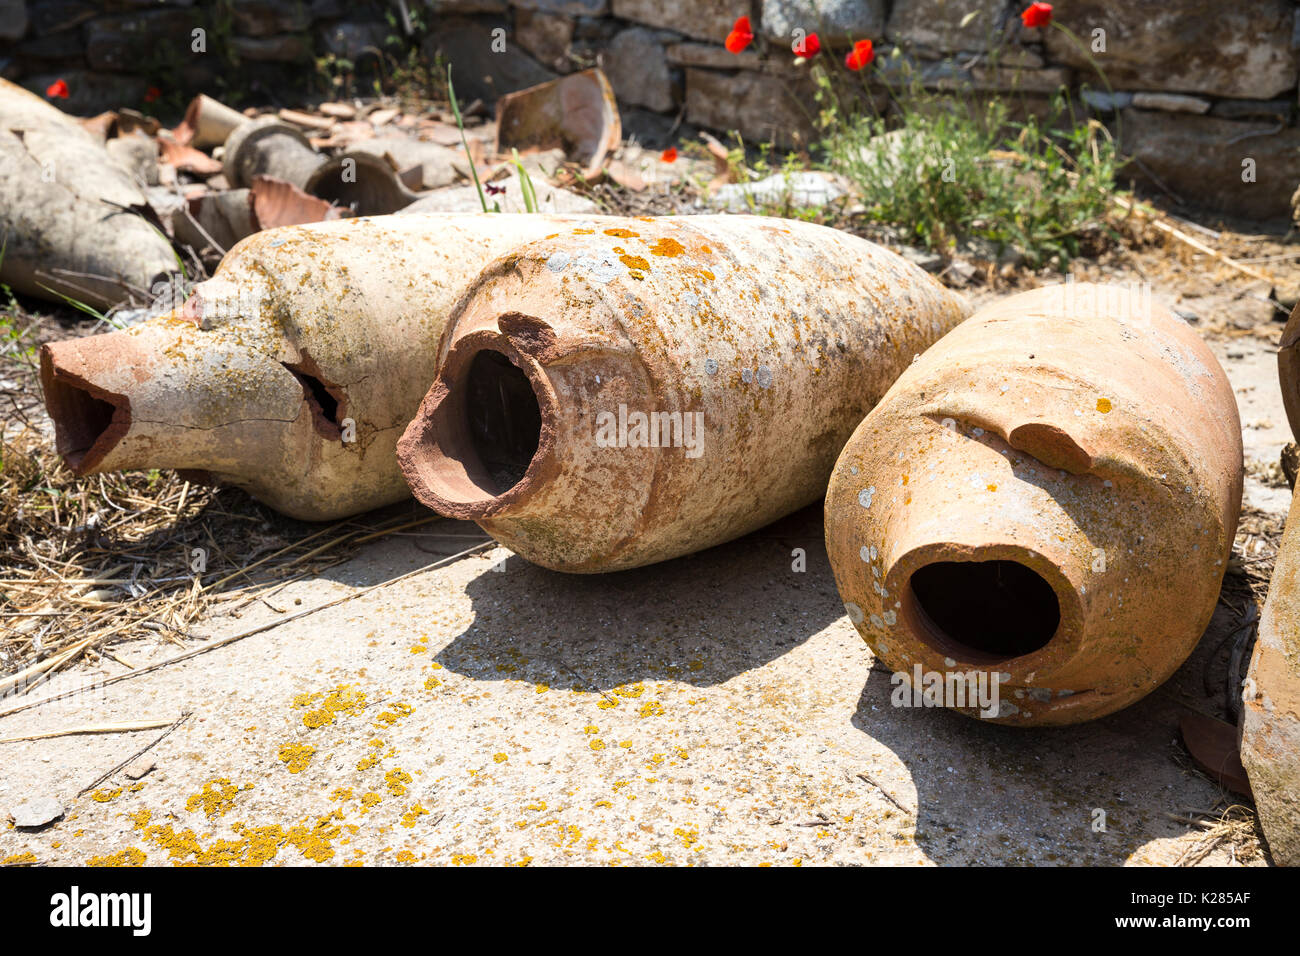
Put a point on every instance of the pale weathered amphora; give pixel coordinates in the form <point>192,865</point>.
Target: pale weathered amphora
<point>623,393</point>
<point>292,372</point>
<point>1049,496</point>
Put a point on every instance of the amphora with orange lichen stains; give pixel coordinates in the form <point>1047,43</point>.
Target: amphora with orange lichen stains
<point>1048,497</point>
<point>292,371</point>
<point>616,395</point>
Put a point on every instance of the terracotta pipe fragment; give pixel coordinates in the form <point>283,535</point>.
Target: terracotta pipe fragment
<point>625,392</point>
<point>1049,495</point>
<point>208,123</point>
<point>267,146</point>
<point>290,373</point>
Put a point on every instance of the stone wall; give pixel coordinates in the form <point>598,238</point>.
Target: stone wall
<point>1203,94</point>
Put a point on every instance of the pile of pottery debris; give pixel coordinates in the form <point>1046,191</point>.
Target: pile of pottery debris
<point>1045,492</point>
<point>93,209</point>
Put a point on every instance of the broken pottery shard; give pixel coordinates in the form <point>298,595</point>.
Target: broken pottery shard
<point>1270,722</point>
<point>208,123</point>
<point>69,215</point>
<point>36,813</point>
<point>290,373</point>
<point>1048,497</point>
<point>363,182</point>
<point>267,146</point>
<point>625,392</point>
<point>577,112</point>
<point>1213,745</point>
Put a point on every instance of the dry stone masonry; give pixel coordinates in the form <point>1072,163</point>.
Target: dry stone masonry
<point>1202,94</point>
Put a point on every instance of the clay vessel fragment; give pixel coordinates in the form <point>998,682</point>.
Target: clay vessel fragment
<point>625,392</point>
<point>577,113</point>
<point>268,146</point>
<point>208,123</point>
<point>1048,496</point>
<point>73,220</point>
<point>290,373</point>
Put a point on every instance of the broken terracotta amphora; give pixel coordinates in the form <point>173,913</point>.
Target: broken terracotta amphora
<point>292,371</point>
<point>1048,497</point>
<point>73,222</point>
<point>623,393</point>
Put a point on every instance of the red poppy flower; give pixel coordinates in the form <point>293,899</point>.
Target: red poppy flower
<point>861,54</point>
<point>740,36</point>
<point>1036,15</point>
<point>151,94</point>
<point>669,155</point>
<point>810,46</point>
<point>57,89</point>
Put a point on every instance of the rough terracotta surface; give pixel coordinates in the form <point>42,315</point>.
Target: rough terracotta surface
<point>1085,440</point>
<point>768,339</point>
<point>224,384</point>
<point>1270,728</point>
<point>1270,732</point>
<point>69,215</point>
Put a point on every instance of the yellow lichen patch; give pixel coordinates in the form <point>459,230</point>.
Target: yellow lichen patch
<point>591,729</point>
<point>688,837</point>
<point>432,682</point>
<point>500,758</point>
<point>629,690</point>
<point>992,487</point>
<point>297,756</point>
<point>637,266</point>
<point>597,745</point>
<point>314,843</point>
<point>325,708</point>
<point>539,806</point>
<point>412,814</point>
<point>17,859</point>
<point>521,862</point>
<point>652,708</point>
<point>405,856</point>
<point>368,800</point>
<point>396,713</point>
<point>622,233</point>
<point>128,857</point>
<point>542,688</point>
<point>397,779</point>
<point>667,246</point>
<point>1103,405</point>
<point>341,794</point>
<point>657,857</point>
<point>464,859</point>
<point>216,797</point>
<point>105,795</point>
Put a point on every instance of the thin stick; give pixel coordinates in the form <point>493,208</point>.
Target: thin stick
<point>885,793</point>
<point>139,753</point>
<point>124,727</point>
<point>231,638</point>
<point>1193,242</point>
